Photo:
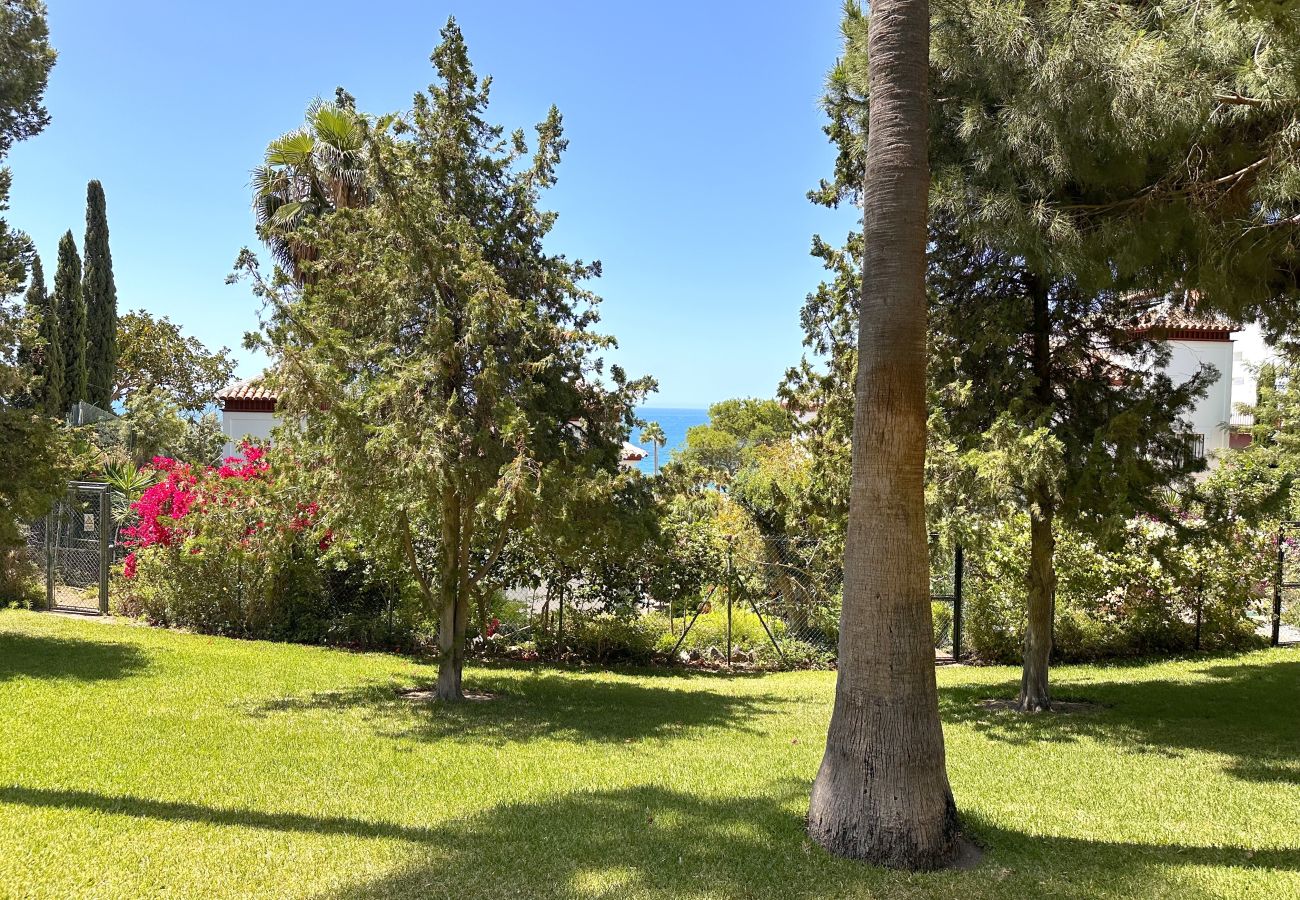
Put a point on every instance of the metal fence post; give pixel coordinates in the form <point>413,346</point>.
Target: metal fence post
<point>105,548</point>
<point>958,573</point>
<point>50,519</point>
<point>1276,637</point>
<point>730,588</point>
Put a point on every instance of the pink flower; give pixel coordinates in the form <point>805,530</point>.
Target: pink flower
<point>128,566</point>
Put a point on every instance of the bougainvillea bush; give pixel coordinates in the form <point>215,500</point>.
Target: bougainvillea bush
<point>239,549</point>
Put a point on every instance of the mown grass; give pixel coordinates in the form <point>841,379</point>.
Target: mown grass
<point>143,762</point>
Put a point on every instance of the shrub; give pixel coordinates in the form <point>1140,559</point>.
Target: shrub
<point>21,583</point>
<point>234,550</point>
<point>608,638</point>
<point>1136,598</point>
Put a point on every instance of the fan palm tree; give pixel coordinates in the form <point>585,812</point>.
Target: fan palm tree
<point>882,792</point>
<point>655,435</point>
<point>315,169</point>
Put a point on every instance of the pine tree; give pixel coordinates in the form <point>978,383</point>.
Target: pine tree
<point>70,309</point>
<point>101,301</point>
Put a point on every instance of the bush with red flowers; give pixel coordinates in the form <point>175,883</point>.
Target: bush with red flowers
<point>240,549</point>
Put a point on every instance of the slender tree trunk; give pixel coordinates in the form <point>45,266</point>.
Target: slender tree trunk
<point>1034,693</point>
<point>452,607</point>
<point>882,792</point>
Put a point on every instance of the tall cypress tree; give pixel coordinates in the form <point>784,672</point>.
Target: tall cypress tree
<point>46,359</point>
<point>101,301</point>
<point>70,308</point>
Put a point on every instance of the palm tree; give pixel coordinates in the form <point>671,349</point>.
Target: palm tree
<point>655,435</point>
<point>317,168</point>
<point>882,793</point>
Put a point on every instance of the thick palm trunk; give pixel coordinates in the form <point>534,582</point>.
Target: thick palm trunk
<point>1034,693</point>
<point>882,792</point>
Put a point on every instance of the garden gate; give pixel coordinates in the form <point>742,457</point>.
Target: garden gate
<point>74,546</point>
<point>1284,619</point>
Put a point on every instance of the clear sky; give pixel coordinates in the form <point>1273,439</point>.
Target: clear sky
<point>694,126</point>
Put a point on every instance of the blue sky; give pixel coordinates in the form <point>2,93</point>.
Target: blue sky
<point>694,127</point>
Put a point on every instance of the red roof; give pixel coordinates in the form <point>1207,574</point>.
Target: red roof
<point>249,395</point>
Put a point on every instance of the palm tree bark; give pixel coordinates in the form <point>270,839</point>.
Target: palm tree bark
<point>882,792</point>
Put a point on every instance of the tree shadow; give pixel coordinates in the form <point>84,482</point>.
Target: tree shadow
<point>650,841</point>
<point>1247,712</point>
<point>56,658</point>
<point>541,706</point>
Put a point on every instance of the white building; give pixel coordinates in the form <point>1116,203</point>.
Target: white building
<point>1236,354</point>
<point>247,410</point>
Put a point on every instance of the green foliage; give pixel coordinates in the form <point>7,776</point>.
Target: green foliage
<point>25,62</point>
<point>942,615</point>
<point>247,561</point>
<point>22,583</point>
<point>155,355</point>
<point>1137,597</point>
<point>153,425</point>
<point>319,168</point>
<point>609,638</point>
<point>100,294</point>
<point>70,308</point>
<point>34,454</point>
<point>718,449</point>
<point>44,352</point>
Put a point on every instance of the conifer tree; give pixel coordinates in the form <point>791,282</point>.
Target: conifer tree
<point>70,308</point>
<point>46,357</point>
<point>100,295</point>
<point>435,364</point>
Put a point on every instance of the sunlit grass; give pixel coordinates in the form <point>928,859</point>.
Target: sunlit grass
<point>143,762</point>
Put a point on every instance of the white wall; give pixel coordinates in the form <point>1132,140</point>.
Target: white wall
<point>235,425</point>
<point>1211,415</point>
<point>1249,353</point>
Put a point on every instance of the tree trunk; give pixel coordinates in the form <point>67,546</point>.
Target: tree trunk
<point>453,607</point>
<point>882,792</point>
<point>1034,693</point>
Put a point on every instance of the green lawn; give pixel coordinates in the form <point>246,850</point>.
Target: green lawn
<point>144,762</point>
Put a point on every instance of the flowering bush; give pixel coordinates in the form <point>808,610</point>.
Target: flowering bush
<point>238,549</point>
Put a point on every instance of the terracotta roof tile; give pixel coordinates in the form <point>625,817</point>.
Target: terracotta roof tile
<point>249,389</point>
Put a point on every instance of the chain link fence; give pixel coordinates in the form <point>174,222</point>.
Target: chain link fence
<point>787,593</point>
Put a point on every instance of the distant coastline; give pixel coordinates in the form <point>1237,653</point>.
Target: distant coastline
<point>674,421</point>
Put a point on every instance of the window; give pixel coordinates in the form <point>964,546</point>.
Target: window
<point>1196,443</point>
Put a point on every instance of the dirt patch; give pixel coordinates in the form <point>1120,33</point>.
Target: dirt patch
<point>1063,707</point>
<point>429,695</point>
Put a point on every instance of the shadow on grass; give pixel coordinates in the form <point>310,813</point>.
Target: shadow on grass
<point>32,656</point>
<point>538,706</point>
<point>655,842</point>
<point>1248,712</point>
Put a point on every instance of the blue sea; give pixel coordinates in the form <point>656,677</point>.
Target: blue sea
<point>674,422</point>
